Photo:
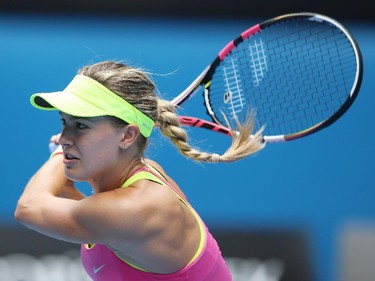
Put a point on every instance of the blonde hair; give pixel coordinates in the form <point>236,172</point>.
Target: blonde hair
<point>136,87</point>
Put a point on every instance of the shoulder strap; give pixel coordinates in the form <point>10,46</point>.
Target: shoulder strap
<point>151,173</point>
<point>140,176</point>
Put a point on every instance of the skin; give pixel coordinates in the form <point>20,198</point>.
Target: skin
<point>146,224</point>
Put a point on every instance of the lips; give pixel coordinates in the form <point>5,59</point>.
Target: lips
<point>69,160</point>
<point>70,156</point>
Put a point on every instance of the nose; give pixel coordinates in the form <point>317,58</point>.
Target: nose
<point>65,140</point>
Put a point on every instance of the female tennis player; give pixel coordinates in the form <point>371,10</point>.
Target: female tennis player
<point>138,225</point>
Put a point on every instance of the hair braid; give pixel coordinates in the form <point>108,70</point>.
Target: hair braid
<point>243,143</point>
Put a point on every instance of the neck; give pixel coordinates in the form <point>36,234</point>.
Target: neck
<point>117,178</point>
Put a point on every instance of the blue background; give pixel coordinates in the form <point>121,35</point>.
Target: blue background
<point>318,184</point>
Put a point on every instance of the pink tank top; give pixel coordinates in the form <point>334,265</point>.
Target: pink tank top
<point>102,264</point>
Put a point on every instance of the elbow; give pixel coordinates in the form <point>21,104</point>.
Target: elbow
<point>19,213</point>
<point>22,212</point>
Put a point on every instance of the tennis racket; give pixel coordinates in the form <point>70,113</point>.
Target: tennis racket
<point>299,72</point>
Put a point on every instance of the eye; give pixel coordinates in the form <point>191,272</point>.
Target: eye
<point>63,121</point>
<point>81,126</point>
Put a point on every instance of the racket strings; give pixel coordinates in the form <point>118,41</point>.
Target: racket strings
<point>295,74</point>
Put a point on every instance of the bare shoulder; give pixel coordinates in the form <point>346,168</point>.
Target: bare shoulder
<point>125,214</point>
<point>160,226</point>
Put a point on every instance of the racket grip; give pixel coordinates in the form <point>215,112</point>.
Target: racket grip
<point>200,123</point>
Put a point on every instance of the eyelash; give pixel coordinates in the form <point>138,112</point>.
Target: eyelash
<point>81,126</point>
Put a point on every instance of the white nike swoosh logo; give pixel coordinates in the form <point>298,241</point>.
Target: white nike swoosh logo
<point>96,270</point>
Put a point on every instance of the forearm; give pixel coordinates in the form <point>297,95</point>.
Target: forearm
<point>70,192</point>
<point>49,179</point>
<point>47,183</point>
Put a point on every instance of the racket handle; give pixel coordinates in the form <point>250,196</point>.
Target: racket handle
<point>200,123</point>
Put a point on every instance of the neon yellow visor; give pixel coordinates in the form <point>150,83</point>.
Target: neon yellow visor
<point>85,97</point>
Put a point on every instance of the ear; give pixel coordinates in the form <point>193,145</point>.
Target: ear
<point>130,136</point>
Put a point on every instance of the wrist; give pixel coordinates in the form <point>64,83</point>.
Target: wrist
<point>57,151</point>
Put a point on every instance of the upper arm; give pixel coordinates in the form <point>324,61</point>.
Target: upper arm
<point>111,217</point>
<point>101,218</point>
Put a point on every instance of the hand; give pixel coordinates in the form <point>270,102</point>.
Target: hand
<point>53,143</point>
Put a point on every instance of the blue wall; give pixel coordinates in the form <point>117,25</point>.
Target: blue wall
<point>318,184</point>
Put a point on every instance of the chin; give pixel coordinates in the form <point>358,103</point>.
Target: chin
<point>74,177</point>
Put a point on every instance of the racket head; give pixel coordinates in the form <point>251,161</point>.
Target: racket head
<point>299,72</point>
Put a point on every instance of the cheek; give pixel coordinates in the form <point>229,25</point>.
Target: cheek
<point>101,149</point>
<point>105,152</point>
<point>100,160</point>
